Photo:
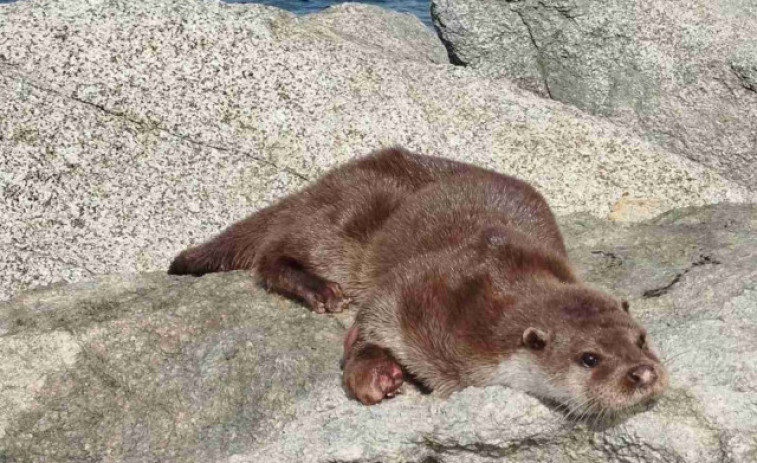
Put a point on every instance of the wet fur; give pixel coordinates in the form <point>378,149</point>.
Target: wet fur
<point>449,264</point>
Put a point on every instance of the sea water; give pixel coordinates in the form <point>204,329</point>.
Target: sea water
<point>419,8</point>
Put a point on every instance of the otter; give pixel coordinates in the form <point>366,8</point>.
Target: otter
<point>460,276</point>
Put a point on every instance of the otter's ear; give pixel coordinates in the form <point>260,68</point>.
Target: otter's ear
<point>624,304</point>
<point>535,339</point>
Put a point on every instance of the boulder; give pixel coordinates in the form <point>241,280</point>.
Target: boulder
<point>390,33</point>
<point>152,368</point>
<point>680,74</point>
<point>130,130</point>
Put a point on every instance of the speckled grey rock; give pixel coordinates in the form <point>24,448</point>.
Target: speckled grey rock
<point>682,74</point>
<point>129,130</point>
<point>152,368</point>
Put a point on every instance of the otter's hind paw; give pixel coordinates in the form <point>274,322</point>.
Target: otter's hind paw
<point>329,298</point>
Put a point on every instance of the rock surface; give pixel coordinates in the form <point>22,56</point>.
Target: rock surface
<point>129,130</point>
<point>682,74</point>
<point>401,35</point>
<point>152,368</point>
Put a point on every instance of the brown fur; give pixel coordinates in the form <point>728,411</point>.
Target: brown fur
<point>460,275</point>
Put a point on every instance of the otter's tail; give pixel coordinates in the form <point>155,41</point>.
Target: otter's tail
<point>217,255</point>
<point>233,249</point>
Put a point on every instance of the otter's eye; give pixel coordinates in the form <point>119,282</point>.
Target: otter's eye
<point>589,360</point>
<point>642,342</point>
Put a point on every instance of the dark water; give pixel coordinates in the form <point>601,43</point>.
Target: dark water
<point>419,8</point>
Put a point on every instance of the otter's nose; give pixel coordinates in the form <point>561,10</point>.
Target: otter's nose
<point>642,375</point>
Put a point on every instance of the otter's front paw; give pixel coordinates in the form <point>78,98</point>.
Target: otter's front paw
<point>372,374</point>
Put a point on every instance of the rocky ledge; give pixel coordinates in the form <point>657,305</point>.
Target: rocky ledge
<point>153,368</point>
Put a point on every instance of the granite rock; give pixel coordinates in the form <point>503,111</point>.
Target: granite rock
<point>390,33</point>
<point>680,74</point>
<point>130,130</point>
<point>152,368</point>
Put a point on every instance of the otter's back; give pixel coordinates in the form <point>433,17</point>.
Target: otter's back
<point>460,210</point>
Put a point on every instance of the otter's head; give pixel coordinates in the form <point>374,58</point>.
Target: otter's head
<point>591,356</point>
